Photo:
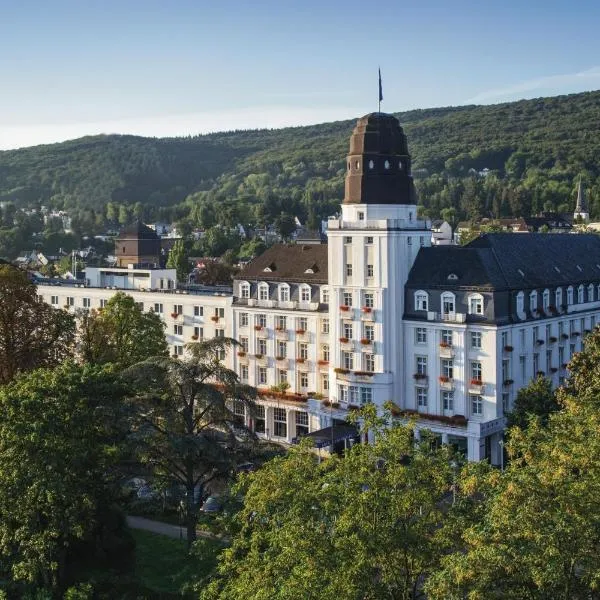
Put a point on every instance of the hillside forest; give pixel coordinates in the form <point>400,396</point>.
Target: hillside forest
<point>469,162</point>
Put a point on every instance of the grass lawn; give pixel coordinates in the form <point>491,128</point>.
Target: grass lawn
<point>163,565</point>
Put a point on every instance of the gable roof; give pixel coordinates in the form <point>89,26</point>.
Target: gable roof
<point>289,262</point>
<point>513,261</point>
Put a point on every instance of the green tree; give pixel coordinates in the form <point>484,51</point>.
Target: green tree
<point>32,333</point>
<point>178,260</point>
<point>538,399</point>
<point>58,434</point>
<point>185,427</point>
<point>285,225</point>
<point>120,333</point>
<point>363,526</point>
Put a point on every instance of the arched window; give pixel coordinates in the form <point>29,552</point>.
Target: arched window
<point>580,295</point>
<point>558,297</point>
<point>590,297</point>
<point>520,302</point>
<point>448,303</point>
<point>570,295</point>
<point>284,292</point>
<point>263,291</point>
<point>305,293</point>
<point>421,300</point>
<point>546,299</point>
<point>476,304</point>
<point>244,289</point>
<point>533,301</point>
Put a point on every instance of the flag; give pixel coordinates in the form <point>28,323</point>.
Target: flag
<point>380,88</point>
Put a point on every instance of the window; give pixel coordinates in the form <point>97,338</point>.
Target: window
<point>103,302</point>
<point>324,325</point>
<point>178,329</point>
<point>447,303</point>
<point>348,360</point>
<point>279,422</point>
<point>263,291</point>
<point>421,395</point>
<point>262,375</point>
<point>158,308</point>
<point>259,419</point>
<point>220,333</point>
<point>86,303</point>
<point>505,403</point>
<point>369,240</point>
<point>448,400</point>
<point>548,361</point>
<point>70,301</point>
<point>281,349</point>
<point>421,241</point>
<point>505,369</point>
<point>280,322</point>
<point>580,295</point>
<point>546,299</point>
<point>476,404</point>
<point>409,241</point>
<point>325,382</point>
<point>261,320</point>
<point>369,360</point>
<point>370,271</point>
<point>558,297</point>
<point>446,337</point>
<point>535,335</point>
<point>343,393</point>
<point>536,364</point>
<point>245,290</point>
<point>476,371</point>
<point>301,422</point>
<point>421,365</point>
<point>347,240</point>
<point>243,319</point>
<point>523,367</point>
<point>522,337</point>
<point>54,300</point>
<point>198,311</point>
<point>261,346</point>
<point>533,301</point>
<point>305,293</point>
<point>353,394</point>
<point>369,300</point>
<point>178,350</point>
<point>590,297</point>
<point>325,352</point>
<point>199,332</point>
<point>475,340</point>
<point>369,332</point>
<point>476,305</point>
<point>570,295</point>
<point>284,293</point>
<point>366,395</point>
<point>520,302</point>
<point>301,323</point>
<point>303,351</point>
<point>244,373</point>
<point>361,214</point>
<point>282,376</point>
<point>303,379</point>
<point>421,301</point>
<point>348,330</point>
<point>325,295</point>
<point>347,299</point>
<point>244,344</point>
<point>348,269</point>
<point>561,356</point>
<point>504,339</point>
<point>548,333</point>
<point>447,368</point>
<point>421,335</point>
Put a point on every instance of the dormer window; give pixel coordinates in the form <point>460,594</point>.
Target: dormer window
<point>421,300</point>
<point>558,297</point>
<point>305,293</point>
<point>361,215</point>
<point>269,268</point>
<point>570,295</point>
<point>263,291</point>
<point>452,277</point>
<point>580,295</point>
<point>312,270</point>
<point>590,292</point>
<point>386,165</point>
<point>284,292</point>
<point>533,301</point>
<point>520,302</point>
<point>546,299</point>
<point>476,304</point>
<point>371,164</point>
<point>245,290</point>
<point>448,303</point>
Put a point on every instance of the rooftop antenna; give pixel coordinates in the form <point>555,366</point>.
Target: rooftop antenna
<point>380,91</point>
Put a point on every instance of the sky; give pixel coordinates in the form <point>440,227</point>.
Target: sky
<point>70,68</point>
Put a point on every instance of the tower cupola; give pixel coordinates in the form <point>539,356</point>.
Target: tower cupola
<point>378,165</point>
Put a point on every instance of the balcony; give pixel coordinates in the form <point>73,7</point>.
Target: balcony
<point>262,360</point>
<point>302,364</point>
<point>281,362</point>
<point>447,317</point>
<point>346,344</point>
<point>323,365</point>
<point>446,350</point>
<point>367,314</point>
<point>421,379</point>
<point>446,383</point>
<point>476,387</point>
<point>288,304</point>
<point>281,334</point>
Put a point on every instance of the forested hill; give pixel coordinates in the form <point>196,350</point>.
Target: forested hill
<point>536,148</point>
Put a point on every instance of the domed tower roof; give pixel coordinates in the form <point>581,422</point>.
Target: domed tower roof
<point>378,166</point>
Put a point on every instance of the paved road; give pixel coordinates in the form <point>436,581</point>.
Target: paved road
<point>173,531</point>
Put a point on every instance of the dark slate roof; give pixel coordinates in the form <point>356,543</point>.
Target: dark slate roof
<point>511,261</point>
<point>289,262</point>
<point>137,231</point>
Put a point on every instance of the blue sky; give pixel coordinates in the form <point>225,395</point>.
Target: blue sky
<point>178,67</point>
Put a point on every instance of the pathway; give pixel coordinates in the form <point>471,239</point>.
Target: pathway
<point>173,531</point>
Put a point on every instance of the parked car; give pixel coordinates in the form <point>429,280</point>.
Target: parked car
<point>246,467</point>
<point>211,505</point>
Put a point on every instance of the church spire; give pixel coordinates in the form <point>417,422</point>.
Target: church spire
<point>581,209</point>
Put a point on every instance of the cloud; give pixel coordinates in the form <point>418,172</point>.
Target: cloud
<point>177,125</point>
<point>571,82</point>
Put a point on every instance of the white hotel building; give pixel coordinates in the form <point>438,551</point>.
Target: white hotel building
<point>448,334</point>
